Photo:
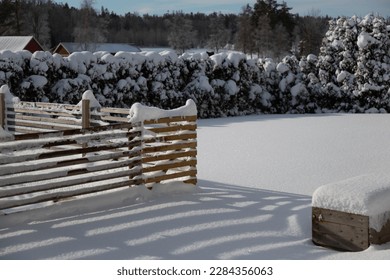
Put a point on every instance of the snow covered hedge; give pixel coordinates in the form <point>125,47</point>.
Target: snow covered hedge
<point>351,74</point>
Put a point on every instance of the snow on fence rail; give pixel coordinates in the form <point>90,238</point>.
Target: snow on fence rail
<point>53,151</point>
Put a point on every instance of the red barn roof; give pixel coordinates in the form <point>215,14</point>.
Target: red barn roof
<point>19,43</point>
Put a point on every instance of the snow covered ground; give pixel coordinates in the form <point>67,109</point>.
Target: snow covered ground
<point>256,178</point>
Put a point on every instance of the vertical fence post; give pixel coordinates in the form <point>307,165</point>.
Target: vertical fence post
<point>85,118</point>
<point>86,114</point>
<point>132,139</point>
<point>2,110</point>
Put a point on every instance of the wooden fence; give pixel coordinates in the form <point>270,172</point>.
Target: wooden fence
<point>60,151</point>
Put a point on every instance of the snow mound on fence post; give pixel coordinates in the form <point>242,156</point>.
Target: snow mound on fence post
<point>93,103</point>
<point>140,113</point>
<point>9,97</point>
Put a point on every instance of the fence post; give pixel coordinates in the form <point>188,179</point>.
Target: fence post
<point>85,119</point>
<point>86,114</point>
<point>2,110</point>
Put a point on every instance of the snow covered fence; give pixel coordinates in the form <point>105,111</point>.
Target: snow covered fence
<point>352,214</point>
<point>169,142</point>
<point>118,148</point>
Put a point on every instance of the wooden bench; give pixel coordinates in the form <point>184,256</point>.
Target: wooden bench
<point>352,214</point>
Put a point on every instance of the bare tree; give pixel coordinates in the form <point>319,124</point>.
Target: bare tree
<point>89,27</point>
<point>181,34</point>
<point>37,21</point>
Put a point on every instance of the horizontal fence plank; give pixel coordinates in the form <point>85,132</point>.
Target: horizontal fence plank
<point>192,181</point>
<point>115,110</point>
<point>37,111</point>
<point>167,138</point>
<point>167,166</point>
<point>60,173</point>
<point>39,125</point>
<point>114,119</point>
<point>75,151</point>
<point>48,105</point>
<point>159,178</point>
<point>175,128</point>
<point>69,121</point>
<point>170,156</point>
<point>79,131</point>
<point>66,194</point>
<point>62,162</point>
<point>169,147</point>
<point>172,119</point>
<point>20,130</point>
<point>69,183</point>
<point>69,140</point>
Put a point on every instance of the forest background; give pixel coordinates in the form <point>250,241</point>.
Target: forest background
<point>266,29</point>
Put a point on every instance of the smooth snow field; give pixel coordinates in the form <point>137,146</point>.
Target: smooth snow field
<point>256,178</point>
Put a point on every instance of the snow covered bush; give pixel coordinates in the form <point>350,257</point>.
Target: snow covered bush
<point>351,74</point>
<point>12,69</point>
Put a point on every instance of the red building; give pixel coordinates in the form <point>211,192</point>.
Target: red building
<point>19,43</point>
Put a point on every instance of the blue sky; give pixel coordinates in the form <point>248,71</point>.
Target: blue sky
<point>303,7</point>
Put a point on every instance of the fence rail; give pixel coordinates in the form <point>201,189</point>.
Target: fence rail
<point>59,151</point>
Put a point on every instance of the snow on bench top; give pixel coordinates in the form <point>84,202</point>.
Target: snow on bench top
<point>367,195</point>
<point>140,113</point>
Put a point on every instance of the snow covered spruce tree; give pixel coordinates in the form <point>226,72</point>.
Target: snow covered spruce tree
<point>354,65</point>
<point>197,84</point>
<point>238,83</point>
<point>337,64</point>
<point>373,65</point>
<point>308,69</point>
<point>271,83</point>
<point>12,69</point>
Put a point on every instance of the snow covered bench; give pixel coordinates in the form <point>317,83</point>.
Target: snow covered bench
<point>352,214</point>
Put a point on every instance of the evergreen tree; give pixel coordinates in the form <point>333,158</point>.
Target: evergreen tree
<point>312,29</point>
<point>245,40</point>
<point>281,21</point>
<point>263,37</point>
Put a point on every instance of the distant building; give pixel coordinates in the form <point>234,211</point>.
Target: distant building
<point>66,49</point>
<point>19,43</point>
